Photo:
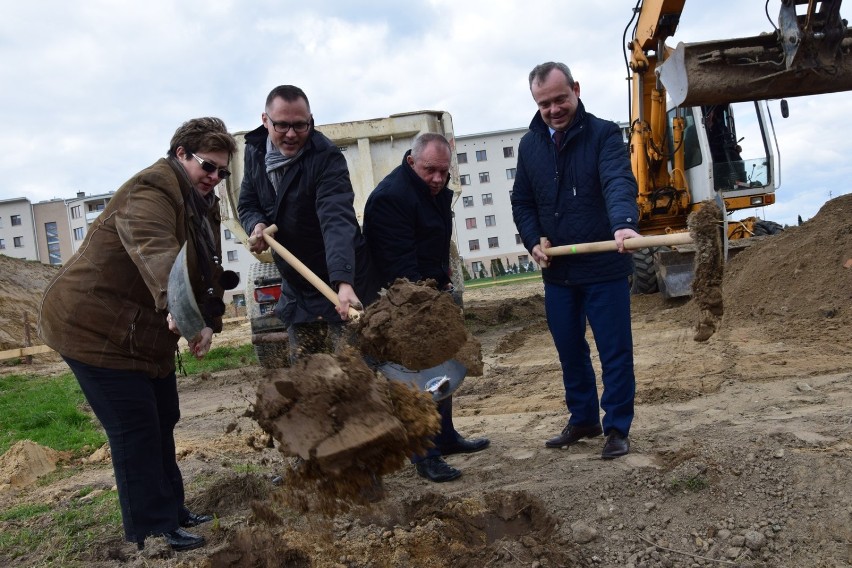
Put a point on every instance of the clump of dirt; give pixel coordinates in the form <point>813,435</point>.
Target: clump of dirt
<point>346,427</point>
<point>810,271</point>
<point>414,325</point>
<point>708,267</point>
<point>22,283</point>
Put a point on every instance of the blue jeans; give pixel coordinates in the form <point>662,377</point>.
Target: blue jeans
<point>606,306</point>
<point>139,415</point>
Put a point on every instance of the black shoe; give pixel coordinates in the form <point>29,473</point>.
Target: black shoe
<point>193,520</point>
<point>462,446</point>
<point>437,470</point>
<point>179,540</point>
<point>572,434</point>
<point>616,445</point>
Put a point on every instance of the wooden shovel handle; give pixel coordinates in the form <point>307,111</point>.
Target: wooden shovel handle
<point>306,272</point>
<point>629,244</point>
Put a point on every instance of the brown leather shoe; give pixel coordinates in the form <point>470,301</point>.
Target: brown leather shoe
<point>572,434</point>
<point>616,445</point>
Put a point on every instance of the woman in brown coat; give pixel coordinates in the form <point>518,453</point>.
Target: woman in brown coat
<point>106,313</point>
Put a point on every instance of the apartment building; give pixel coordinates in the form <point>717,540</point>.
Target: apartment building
<point>17,232</point>
<point>485,231</point>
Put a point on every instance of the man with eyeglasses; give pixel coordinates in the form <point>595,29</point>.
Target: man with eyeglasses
<point>297,179</point>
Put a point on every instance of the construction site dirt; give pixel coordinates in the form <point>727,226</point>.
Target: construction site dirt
<point>740,451</point>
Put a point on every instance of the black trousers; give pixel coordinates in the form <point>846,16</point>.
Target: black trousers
<point>139,415</point>
<point>445,436</point>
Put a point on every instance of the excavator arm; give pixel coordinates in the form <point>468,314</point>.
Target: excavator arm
<point>807,54</point>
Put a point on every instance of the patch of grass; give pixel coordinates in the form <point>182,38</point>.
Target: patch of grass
<point>64,536</point>
<point>24,512</point>
<point>694,484</point>
<point>219,359</point>
<point>48,411</point>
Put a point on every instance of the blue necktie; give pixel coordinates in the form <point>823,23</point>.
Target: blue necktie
<point>557,138</point>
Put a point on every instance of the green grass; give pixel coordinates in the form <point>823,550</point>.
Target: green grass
<point>61,536</point>
<point>219,359</point>
<point>694,484</point>
<point>48,411</point>
<point>506,280</point>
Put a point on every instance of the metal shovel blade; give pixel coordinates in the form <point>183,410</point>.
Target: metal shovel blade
<point>181,300</point>
<point>440,381</point>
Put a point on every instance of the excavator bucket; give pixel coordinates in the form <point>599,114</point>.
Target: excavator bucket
<point>810,54</point>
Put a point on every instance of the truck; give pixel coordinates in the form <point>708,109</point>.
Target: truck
<point>372,148</point>
<point>700,126</point>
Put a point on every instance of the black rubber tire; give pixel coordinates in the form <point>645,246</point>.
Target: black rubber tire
<point>269,355</point>
<point>763,227</point>
<point>644,280</point>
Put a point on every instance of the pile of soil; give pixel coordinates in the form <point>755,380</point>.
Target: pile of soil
<point>799,280</point>
<point>22,283</point>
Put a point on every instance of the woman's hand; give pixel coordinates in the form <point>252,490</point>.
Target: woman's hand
<point>200,344</point>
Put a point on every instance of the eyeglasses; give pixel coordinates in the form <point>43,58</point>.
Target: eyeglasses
<point>284,127</point>
<point>210,167</point>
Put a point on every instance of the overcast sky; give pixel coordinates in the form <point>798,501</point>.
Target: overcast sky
<point>92,91</point>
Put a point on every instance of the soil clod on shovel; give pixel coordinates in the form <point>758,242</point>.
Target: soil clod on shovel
<point>708,268</point>
<point>414,325</point>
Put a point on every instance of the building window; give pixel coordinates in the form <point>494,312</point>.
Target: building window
<point>477,267</point>
<point>467,201</point>
<point>239,300</point>
<point>96,206</point>
<point>481,156</point>
<point>493,242</point>
<point>473,245</point>
<point>484,177</point>
<point>465,179</point>
<point>518,239</point>
<point>486,199</point>
<point>510,173</point>
<point>470,222</point>
<point>232,256</point>
<point>228,235</point>
<point>79,232</point>
<point>2,244</point>
<point>19,242</point>
<point>51,233</point>
<point>523,259</point>
<point>16,220</point>
<point>490,221</point>
<point>462,158</point>
<point>508,152</point>
<point>75,212</point>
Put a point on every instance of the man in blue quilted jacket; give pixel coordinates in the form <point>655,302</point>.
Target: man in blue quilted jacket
<point>573,185</point>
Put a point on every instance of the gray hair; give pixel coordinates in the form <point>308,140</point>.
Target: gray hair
<point>422,140</point>
<point>540,72</point>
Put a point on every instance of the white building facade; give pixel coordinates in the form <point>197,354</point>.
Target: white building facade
<point>484,227</point>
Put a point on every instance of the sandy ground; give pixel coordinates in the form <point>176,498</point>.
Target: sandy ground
<point>741,446</point>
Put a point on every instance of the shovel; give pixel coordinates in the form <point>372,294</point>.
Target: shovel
<point>439,381</point>
<point>629,244</point>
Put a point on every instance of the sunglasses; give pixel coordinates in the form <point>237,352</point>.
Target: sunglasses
<point>210,167</point>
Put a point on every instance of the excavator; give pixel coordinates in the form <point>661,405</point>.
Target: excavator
<point>700,127</point>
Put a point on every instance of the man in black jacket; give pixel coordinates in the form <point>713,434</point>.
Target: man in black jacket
<point>408,226</point>
<point>296,178</point>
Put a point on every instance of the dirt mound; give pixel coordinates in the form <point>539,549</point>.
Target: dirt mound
<point>345,425</point>
<point>500,528</point>
<point>797,281</point>
<point>414,325</point>
<point>25,462</point>
<point>22,283</point>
